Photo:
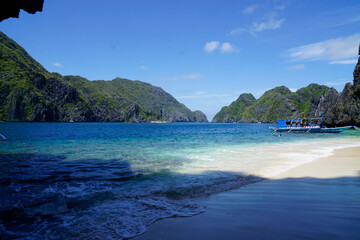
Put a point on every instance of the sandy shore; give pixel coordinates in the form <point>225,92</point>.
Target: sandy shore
<point>317,200</point>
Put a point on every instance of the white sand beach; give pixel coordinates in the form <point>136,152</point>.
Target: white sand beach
<point>316,200</point>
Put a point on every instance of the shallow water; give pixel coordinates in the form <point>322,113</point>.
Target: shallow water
<point>111,180</point>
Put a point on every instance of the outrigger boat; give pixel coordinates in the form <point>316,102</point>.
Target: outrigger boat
<point>314,125</point>
<point>2,138</point>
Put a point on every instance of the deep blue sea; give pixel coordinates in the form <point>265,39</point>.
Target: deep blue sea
<point>112,180</point>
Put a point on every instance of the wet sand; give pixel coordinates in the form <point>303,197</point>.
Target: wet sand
<point>317,200</point>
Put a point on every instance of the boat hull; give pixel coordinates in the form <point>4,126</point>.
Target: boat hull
<point>313,125</point>
<point>309,130</point>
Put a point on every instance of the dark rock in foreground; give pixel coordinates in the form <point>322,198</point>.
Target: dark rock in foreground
<point>11,8</point>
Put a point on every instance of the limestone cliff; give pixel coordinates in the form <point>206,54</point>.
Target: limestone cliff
<point>274,104</point>
<point>339,109</point>
<point>342,109</point>
<point>234,112</point>
<point>28,92</point>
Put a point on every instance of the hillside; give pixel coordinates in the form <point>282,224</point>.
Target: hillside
<point>342,109</point>
<point>276,103</point>
<point>339,109</point>
<point>235,111</point>
<point>28,92</point>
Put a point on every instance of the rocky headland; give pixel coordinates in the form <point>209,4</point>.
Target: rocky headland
<point>339,109</point>
<point>28,92</point>
<point>274,104</point>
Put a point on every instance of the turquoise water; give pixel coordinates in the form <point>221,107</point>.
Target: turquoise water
<point>88,180</point>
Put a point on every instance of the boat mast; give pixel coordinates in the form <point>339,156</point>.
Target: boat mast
<point>322,124</point>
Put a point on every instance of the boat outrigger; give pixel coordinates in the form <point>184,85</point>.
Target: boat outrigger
<point>313,125</point>
<point>3,138</point>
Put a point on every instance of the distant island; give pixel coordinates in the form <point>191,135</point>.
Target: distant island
<point>339,109</point>
<point>28,92</point>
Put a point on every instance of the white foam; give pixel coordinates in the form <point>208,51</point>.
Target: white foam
<point>264,160</point>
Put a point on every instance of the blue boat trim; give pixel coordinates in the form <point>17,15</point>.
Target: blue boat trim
<point>313,125</point>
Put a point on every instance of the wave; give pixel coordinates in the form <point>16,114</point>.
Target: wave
<point>50,197</point>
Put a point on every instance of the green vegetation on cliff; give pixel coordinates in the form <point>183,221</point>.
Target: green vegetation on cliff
<point>339,109</point>
<point>28,92</point>
<point>274,104</point>
<point>234,112</point>
<point>357,79</point>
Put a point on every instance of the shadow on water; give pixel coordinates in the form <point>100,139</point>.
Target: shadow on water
<point>46,196</point>
<point>37,188</point>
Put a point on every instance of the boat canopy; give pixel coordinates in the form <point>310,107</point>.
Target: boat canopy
<point>301,122</point>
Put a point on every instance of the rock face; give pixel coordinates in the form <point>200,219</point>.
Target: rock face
<point>30,93</point>
<point>234,112</point>
<point>11,8</point>
<point>274,104</point>
<point>135,101</point>
<point>342,109</point>
<point>357,74</point>
<point>357,79</point>
<point>200,116</point>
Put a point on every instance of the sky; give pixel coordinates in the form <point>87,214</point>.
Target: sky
<point>205,53</point>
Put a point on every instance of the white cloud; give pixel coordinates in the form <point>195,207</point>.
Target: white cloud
<point>191,76</point>
<point>347,61</point>
<point>334,50</point>
<point>56,64</point>
<point>202,94</point>
<point>237,31</point>
<point>225,97</point>
<point>250,9</point>
<point>143,67</point>
<point>293,89</point>
<point>226,48</point>
<point>280,7</point>
<point>211,46</point>
<point>348,21</point>
<point>269,22</point>
<point>296,67</point>
<point>255,92</point>
<point>340,83</point>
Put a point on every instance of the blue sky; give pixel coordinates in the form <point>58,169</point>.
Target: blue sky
<point>204,53</point>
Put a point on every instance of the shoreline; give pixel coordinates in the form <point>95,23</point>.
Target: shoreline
<point>317,200</point>
<point>341,165</point>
